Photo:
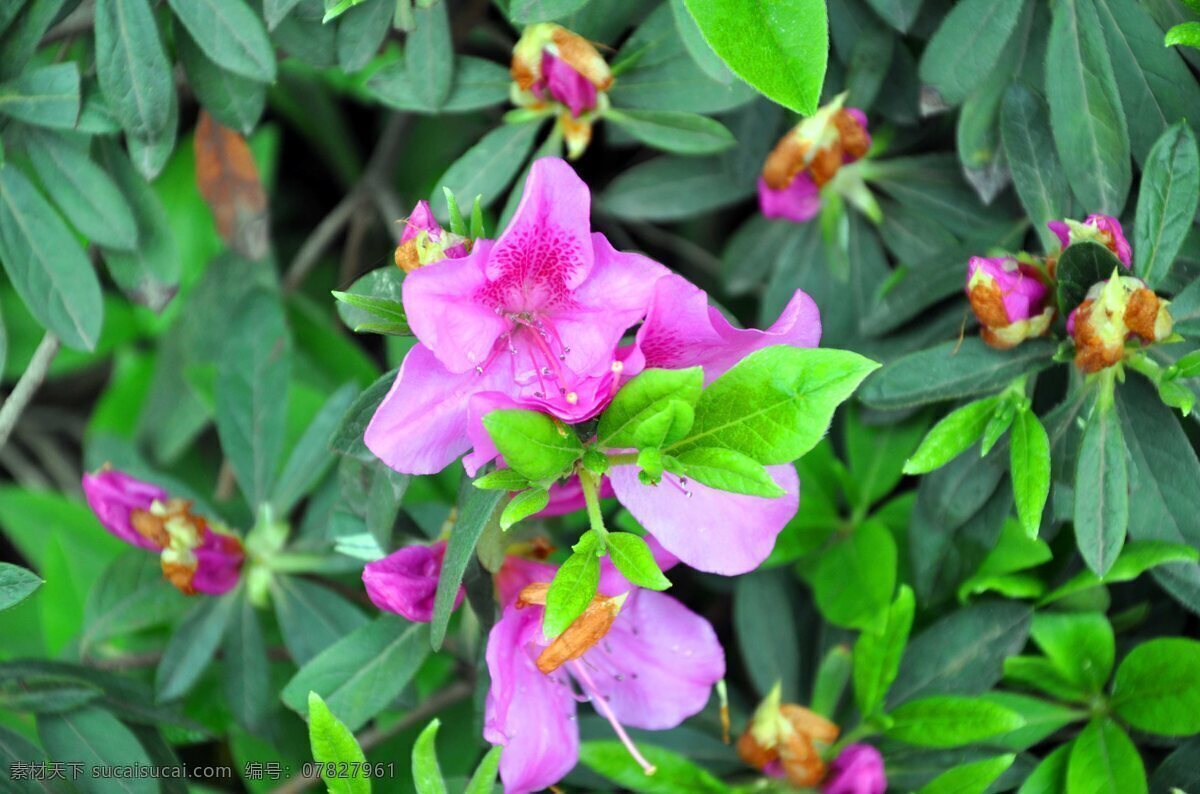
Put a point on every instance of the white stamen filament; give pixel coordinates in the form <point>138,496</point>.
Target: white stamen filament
<point>601,705</point>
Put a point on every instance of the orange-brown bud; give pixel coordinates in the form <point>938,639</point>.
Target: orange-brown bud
<point>584,58</point>
<point>150,527</point>
<point>785,161</point>
<point>853,136</point>
<point>583,633</point>
<point>1092,353</point>
<point>407,257</point>
<point>1141,314</point>
<point>180,576</point>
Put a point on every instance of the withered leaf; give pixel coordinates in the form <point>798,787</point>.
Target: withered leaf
<point>229,181</point>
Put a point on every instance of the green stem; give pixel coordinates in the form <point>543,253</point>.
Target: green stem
<point>591,496</point>
<point>1107,379</point>
<point>622,459</point>
<point>1139,362</point>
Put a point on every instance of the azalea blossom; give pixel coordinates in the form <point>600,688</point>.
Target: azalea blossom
<point>640,657</point>
<point>807,158</point>
<point>858,769</point>
<point>405,581</point>
<point>424,241</point>
<point>1103,229</point>
<point>553,66</point>
<point>198,555</point>
<point>708,529</point>
<point>1115,311</point>
<point>1010,299</point>
<point>532,319</point>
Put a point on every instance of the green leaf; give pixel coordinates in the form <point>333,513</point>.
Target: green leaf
<point>348,438</point>
<point>251,390</point>
<point>1050,776</point>
<point>762,603</point>
<point>693,41</point>
<point>952,436</point>
<point>134,72</point>
<point>793,393</point>
<point>46,694</point>
<point>1080,266</point>
<point>484,779</point>
<point>1157,687</point>
<point>1081,645</point>
<point>950,721</point>
<point>192,646</point>
<point>533,444</point>
<point>878,650</point>
<point>235,101</point>
<point>953,370</point>
<point>427,774</point>
<point>488,167</point>
<point>1136,557</point>
<point>727,470</point>
<point>652,409</point>
<point>1104,760</point>
<point>829,683</point>
<point>310,458</point>
<point>362,673</point>
<point>1037,672</point>
<point>971,778</point>
<point>429,57</point>
<point>47,267</point>
<point>1166,203</point>
<point>900,14</point>
<point>1187,34</point>
<point>780,48</point>
<point>966,48</point>
<point>1085,108</point>
<point>855,576</point>
<point>632,557</point>
<point>523,505</point>
<point>476,510</point>
<point>673,774</point>
<point>246,671</point>
<point>333,744</point>
<point>501,480</point>
<point>526,12</point>
<point>382,311</point>
<point>572,590</point>
<point>1029,461</point>
<point>1014,551</point>
<point>673,131</point>
<point>1101,514</point>
<point>876,455</point>
<point>16,584</point>
<point>478,83</point>
<point>311,617</point>
<point>230,34</point>
<point>95,738</point>
<point>47,96</point>
<point>87,196</point>
<point>361,31</point>
<point>1037,172</point>
<point>670,187</point>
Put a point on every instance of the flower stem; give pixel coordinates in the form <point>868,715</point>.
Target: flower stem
<point>591,496</point>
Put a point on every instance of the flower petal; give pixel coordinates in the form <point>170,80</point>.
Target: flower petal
<point>707,529</point>
<point>657,665</point>
<point>421,220</point>
<point>218,563</point>
<point>682,330</point>
<point>421,426</point>
<point>799,202</point>
<point>443,307</point>
<point>405,581</point>
<point>547,245</point>
<point>532,715</point>
<point>112,495</point>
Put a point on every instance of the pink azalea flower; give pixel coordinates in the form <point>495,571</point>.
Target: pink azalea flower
<point>858,769</point>
<point>654,668</point>
<point>196,558</point>
<point>534,318</point>
<point>422,220</point>
<point>1103,229</point>
<point>707,529</point>
<point>405,581</point>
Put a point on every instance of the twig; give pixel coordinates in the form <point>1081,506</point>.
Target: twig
<point>320,239</point>
<point>373,737</point>
<point>23,392</point>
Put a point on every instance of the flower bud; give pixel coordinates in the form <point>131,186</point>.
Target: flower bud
<point>196,556</point>
<point>1114,312</point>
<point>424,241</point>
<point>808,157</point>
<point>1010,300</point>
<point>405,581</point>
<point>552,64</point>
<point>858,769</point>
<point>1103,229</point>
<point>786,740</point>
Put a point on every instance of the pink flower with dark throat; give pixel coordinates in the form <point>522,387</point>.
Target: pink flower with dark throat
<point>531,320</point>
<point>707,529</point>
<point>196,556</point>
<point>1103,229</point>
<point>405,581</point>
<point>641,658</point>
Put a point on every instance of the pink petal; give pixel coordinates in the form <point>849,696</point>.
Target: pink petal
<point>218,563</point>
<point>405,581</point>
<point>517,573</point>
<point>567,86</point>
<point>710,530</point>
<point>682,330</point>
<point>421,220</point>
<point>657,665</point>
<point>421,426</point>
<point>1061,231</point>
<point>445,312</point>
<point>113,495</point>
<point>532,715</point>
<point>798,202</point>
<point>546,247</point>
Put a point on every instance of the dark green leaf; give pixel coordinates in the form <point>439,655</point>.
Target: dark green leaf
<point>1101,492</point>
<point>96,738</point>
<point>967,46</point>
<point>230,34</point>
<point>672,131</point>
<point>488,167</point>
<point>1166,203</point>
<point>235,101</point>
<point>193,645</point>
<point>526,12</point>
<point>478,83</point>
<point>246,672</point>
<point>16,584</point>
<point>670,187</point>
<point>764,624</point>
<point>311,617</point>
<point>1033,162</point>
<point>429,57</point>
<point>477,509</point>
<point>46,694</point>
<point>1136,557</point>
<point>1081,266</point>
<point>361,31</point>
<point>47,96</point>
<point>348,438</point>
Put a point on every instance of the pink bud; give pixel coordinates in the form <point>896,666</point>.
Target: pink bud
<point>113,496</point>
<point>1009,298</point>
<point>858,769</point>
<point>405,581</point>
<point>1103,229</point>
<point>563,84</point>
